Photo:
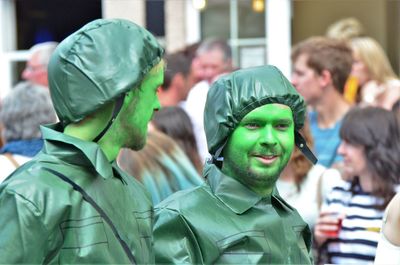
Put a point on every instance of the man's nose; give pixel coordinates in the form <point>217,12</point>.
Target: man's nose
<point>157,104</point>
<point>294,80</point>
<point>341,149</point>
<point>268,136</point>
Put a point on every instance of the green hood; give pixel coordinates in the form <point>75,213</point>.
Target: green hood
<point>96,64</point>
<point>231,97</point>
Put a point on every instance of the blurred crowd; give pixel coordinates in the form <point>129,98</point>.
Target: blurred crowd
<point>353,99</point>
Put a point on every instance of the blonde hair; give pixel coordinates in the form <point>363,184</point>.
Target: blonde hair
<point>374,58</point>
<point>345,29</point>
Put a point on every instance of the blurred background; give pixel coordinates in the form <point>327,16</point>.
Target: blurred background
<point>259,31</point>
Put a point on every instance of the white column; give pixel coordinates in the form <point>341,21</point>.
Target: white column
<point>234,31</point>
<point>175,26</point>
<point>7,44</point>
<point>278,17</point>
<point>193,30</point>
<point>134,10</point>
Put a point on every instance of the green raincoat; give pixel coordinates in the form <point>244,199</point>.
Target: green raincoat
<point>44,220</point>
<point>223,221</point>
<point>69,204</point>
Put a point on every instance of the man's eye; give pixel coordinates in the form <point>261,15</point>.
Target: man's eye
<point>252,126</point>
<point>282,126</point>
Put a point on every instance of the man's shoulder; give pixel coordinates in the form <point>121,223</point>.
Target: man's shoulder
<point>33,187</point>
<point>30,179</point>
<point>25,171</point>
<point>184,200</point>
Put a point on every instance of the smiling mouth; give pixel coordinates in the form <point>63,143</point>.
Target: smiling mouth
<point>266,159</point>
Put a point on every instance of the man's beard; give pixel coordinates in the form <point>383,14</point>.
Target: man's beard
<point>251,179</point>
<point>137,141</point>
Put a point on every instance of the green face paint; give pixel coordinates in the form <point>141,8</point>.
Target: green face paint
<point>138,108</point>
<point>130,127</point>
<point>260,147</point>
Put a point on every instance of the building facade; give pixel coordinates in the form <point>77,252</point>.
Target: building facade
<point>259,31</point>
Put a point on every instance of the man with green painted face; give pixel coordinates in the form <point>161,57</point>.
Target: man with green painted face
<point>72,204</point>
<point>252,118</point>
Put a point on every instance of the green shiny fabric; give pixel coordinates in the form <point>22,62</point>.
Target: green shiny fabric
<point>231,97</point>
<point>43,220</point>
<point>96,64</point>
<point>223,222</point>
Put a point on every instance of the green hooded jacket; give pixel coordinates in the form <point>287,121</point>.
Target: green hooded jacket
<point>223,221</point>
<point>69,204</point>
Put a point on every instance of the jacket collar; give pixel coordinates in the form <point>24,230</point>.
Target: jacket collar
<point>237,196</point>
<point>75,151</point>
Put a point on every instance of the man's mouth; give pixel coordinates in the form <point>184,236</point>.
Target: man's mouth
<point>266,159</point>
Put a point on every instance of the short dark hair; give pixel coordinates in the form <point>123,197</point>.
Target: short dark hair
<point>175,122</point>
<point>377,130</point>
<point>176,63</point>
<point>327,54</point>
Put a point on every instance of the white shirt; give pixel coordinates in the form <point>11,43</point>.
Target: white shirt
<point>7,167</point>
<point>194,107</point>
<point>306,200</point>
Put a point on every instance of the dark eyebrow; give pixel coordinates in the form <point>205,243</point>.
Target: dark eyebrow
<point>251,119</point>
<point>285,120</point>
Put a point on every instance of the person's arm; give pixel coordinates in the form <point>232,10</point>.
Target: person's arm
<point>391,228</point>
<point>23,235</point>
<point>174,241</point>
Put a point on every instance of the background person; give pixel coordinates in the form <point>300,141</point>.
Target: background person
<point>388,250</point>
<point>347,29</point>
<point>174,122</point>
<point>379,85</point>
<point>396,110</point>
<point>175,88</point>
<point>321,67</point>
<point>36,67</point>
<point>214,57</point>
<point>161,166</point>
<point>23,110</point>
<point>305,186</point>
<point>371,150</point>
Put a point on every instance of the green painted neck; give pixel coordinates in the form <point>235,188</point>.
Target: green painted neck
<point>90,127</point>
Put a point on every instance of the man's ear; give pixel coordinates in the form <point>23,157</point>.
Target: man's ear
<point>178,82</point>
<point>178,78</point>
<point>325,78</point>
<point>228,65</point>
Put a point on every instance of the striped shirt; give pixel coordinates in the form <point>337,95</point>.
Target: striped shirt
<point>359,235</point>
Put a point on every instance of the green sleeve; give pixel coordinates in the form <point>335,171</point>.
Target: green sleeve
<point>22,233</point>
<point>174,240</point>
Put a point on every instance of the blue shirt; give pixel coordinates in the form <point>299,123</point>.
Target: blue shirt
<point>326,141</point>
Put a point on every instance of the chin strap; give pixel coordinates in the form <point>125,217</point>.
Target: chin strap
<point>117,108</point>
<point>217,159</point>
<point>302,145</point>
